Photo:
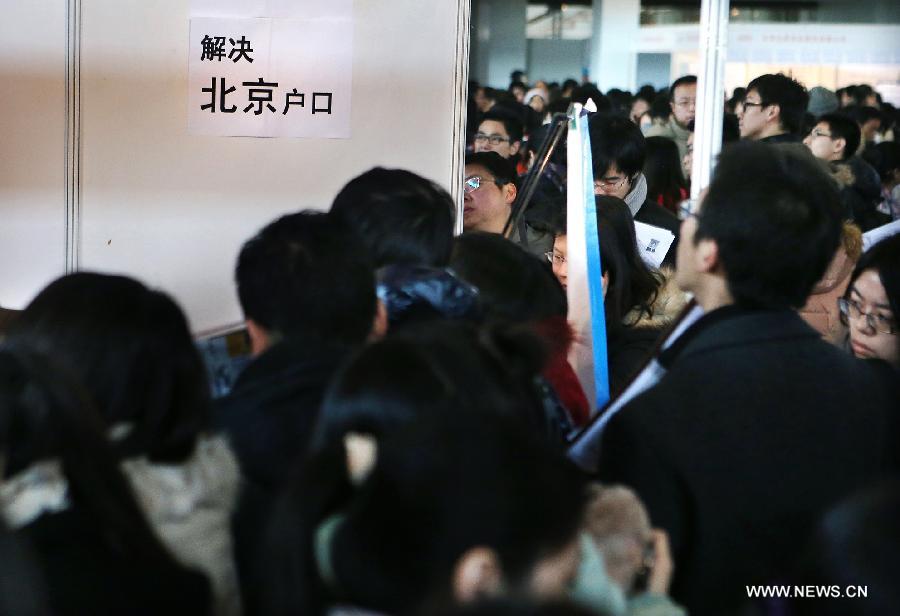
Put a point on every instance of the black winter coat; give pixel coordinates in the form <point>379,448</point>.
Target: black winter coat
<point>757,427</point>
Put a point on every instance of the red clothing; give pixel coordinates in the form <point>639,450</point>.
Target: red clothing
<point>557,334</point>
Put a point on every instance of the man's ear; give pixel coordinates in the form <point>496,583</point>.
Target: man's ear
<point>260,339</point>
<point>840,144</point>
<point>514,147</point>
<point>707,256</point>
<point>509,192</point>
<point>380,322</point>
<point>477,574</point>
<point>773,113</point>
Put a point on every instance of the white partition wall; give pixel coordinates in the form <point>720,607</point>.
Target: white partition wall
<point>32,147</point>
<point>172,209</point>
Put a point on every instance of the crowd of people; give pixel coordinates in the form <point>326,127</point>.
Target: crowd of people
<point>397,443</point>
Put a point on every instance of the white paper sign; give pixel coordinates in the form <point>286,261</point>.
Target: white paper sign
<point>270,77</point>
<point>304,9</point>
<point>653,243</point>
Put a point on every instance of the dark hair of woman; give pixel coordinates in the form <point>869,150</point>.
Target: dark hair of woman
<point>434,368</point>
<point>48,416</point>
<point>440,487</point>
<point>132,350</point>
<point>632,285</point>
<point>515,285</point>
<point>662,168</point>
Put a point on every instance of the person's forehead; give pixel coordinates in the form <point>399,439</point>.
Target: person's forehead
<point>751,95</point>
<point>685,89</point>
<point>612,171</point>
<point>493,127</point>
<point>823,127</point>
<point>473,170</point>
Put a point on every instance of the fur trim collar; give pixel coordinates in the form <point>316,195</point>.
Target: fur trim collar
<point>170,492</point>
<point>41,488</point>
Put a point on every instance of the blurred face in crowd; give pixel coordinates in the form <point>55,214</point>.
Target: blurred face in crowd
<point>557,258</point>
<point>754,118</point>
<point>492,137</point>
<point>486,202</point>
<point>687,161</point>
<point>519,92</point>
<point>869,129</point>
<point>554,575</point>
<point>537,103</point>
<point>872,323</point>
<point>482,102</point>
<point>684,103</point>
<point>823,145</point>
<point>613,183</point>
<point>638,108</point>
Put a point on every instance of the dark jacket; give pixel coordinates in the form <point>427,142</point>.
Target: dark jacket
<point>782,138</point>
<point>757,427</point>
<point>652,213</point>
<point>270,412</point>
<point>269,417</point>
<point>83,576</point>
<point>863,194</point>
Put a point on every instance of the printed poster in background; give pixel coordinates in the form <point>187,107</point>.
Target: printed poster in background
<point>286,73</point>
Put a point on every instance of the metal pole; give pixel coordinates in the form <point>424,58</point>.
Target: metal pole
<point>710,92</point>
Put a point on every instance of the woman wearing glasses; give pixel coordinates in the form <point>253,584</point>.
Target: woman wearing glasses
<point>871,305</point>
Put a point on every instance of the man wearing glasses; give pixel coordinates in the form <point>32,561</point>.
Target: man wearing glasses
<point>617,154</point>
<point>500,132</point>
<point>489,190</point>
<point>773,110</point>
<point>683,102</point>
<point>835,139</point>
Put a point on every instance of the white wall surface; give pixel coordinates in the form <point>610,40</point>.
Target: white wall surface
<point>173,209</point>
<point>32,147</point>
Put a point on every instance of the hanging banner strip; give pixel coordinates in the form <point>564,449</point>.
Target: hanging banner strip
<point>594,269</point>
<point>585,283</point>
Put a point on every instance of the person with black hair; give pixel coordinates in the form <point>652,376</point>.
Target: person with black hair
<point>438,367</point>
<point>520,288</point>
<point>517,89</point>
<point>854,552</point>
<point>746,437</point>
<point>499,131</point>
<point>885,159</point>
<point>131,348</point>
<point>402,218</point>
<point>871,306</point>
<point>682,108</point>
<point>772,110</point>
<point>730,134</point>
<point>835,139</point>
<point>618,152</point>
<point>489,191</point>
<point>662,168</point>
<point>417,531</point>
<point>734,104</point>
<point>63,492</point>
<point>308,298</point>
<point>869,120</point>
<point>640,302</point>
<point>589,92</point>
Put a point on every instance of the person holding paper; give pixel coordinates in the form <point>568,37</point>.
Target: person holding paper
<point>757,425</point>
<point>618,150</point>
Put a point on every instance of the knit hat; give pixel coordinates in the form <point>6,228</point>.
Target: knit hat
<point>821,101</point>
